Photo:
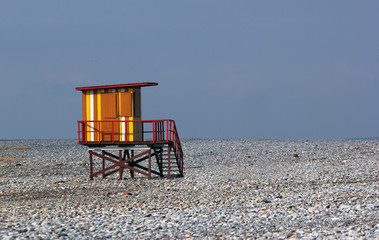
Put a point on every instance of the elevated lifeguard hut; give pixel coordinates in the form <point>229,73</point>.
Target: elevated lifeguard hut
<point>115,133</point>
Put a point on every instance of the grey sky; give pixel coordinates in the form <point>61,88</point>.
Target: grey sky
<point>226,69</point>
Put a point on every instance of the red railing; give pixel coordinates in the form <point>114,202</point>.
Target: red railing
<point>177,147</point>
<point>144,131</point>
<point>118,132</point>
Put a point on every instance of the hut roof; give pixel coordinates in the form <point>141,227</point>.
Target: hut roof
<point>127,85</point>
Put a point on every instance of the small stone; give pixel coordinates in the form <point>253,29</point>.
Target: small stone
<point>300,233</point>
<point>344,207</point>
<point>312,209</point>
<point>353,233</point>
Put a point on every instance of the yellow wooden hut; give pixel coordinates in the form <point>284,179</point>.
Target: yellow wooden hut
<point>110,112</point>
<point>111,121</point>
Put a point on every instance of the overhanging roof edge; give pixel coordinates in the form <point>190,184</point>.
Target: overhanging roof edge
<point>127,85</point>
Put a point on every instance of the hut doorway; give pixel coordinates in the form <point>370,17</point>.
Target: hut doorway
<point>109,112</point>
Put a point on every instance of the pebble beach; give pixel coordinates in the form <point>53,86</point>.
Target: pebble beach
<point>231,189</point>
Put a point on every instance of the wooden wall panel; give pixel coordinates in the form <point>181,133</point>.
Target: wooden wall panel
<point>95,124</point>
<point>137,103</point>
<point>84,106</point>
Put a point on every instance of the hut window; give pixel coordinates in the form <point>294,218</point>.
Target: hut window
<point>109,105</point>
<point>126,104</point>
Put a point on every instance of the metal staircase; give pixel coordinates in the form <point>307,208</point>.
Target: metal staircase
<point>168,161</point>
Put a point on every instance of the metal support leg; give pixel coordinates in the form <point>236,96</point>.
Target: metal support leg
<point>103,154</point>
<point>149,176</point>
<point>121,169</point>
<point>90,166</point>
<point>131,164</point>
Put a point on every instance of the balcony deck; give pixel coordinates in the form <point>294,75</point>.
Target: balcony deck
<point>97,133</point>
<point>123,143</point>
<point>105,136</point>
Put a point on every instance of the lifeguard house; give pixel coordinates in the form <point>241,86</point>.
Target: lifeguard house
<point>118,138</point>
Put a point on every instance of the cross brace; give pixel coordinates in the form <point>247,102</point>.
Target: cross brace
<point>125,159</point>
<point>120,163</point>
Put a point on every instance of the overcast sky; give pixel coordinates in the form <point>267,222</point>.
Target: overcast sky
<point>226,69</point>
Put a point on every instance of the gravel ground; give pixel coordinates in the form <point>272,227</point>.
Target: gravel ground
<point>232,189</point>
